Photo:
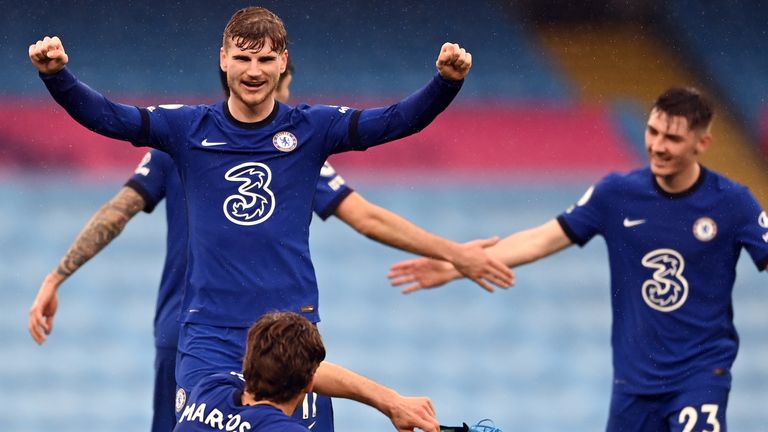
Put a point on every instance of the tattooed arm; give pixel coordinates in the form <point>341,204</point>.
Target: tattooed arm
<point>103,227</point>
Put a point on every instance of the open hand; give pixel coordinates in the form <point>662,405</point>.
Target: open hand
<point>44,308</point>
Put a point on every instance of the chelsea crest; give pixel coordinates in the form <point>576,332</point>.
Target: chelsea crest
<point>704,229</point>
<point>285,141</point>
<point>181,399</point>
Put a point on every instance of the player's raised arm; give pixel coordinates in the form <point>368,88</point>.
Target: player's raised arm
<point>106,224</point>
<point>48,55</point>
<point>374,126</point>
<point>86,106</point>
<point>393,230</point>
<point>520,248</point>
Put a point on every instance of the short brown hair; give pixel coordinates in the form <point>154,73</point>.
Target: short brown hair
<point>250,27</point>
<point>282,354</point>
<point>686,102</point>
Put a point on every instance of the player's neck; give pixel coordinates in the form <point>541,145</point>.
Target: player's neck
<point>286,407</point>
<point>250,114</point>
<point>679,182</point>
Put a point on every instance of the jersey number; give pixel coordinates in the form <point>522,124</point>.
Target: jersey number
<point>689,416</point>
<point>307,409</point>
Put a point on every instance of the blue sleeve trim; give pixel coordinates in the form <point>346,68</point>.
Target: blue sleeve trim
<point>354,135</point>
<point>149,202</point>
<point>144,131</point>
<point>330,209</point>
<point>569,232</point>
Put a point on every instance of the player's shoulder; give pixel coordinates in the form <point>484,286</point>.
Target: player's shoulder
<point>179,107</point>
<point>160,158</point>
<point>722,183</point>
<point>318,112</point>
<point>622,181</point>
<point>179,110</point>
<point>726,188</point>
<point>220,380</point>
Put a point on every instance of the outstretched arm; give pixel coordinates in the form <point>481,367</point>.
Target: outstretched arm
<point>406,413</point>
<point>106,224</point>
<point>391,229</point>
<point>517,249</point>
<point>412,114</point>
<point>86,106</point>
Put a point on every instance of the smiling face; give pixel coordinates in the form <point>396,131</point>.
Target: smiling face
<point>252,76</point>
<point>674,149</point>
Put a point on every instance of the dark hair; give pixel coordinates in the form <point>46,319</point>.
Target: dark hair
<point>282,354</point>
<point>250,27</point>
<point>225,87</point>
<point>686,102</point>
<point>289,69</point>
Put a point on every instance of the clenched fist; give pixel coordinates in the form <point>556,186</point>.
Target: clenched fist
<point>48,55</point>
<point>454,62</point>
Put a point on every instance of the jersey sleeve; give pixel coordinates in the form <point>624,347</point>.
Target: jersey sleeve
<point>158,127</point>
<point>351,129</point>
<point>164,127</point>
<point>380,125</point>
<point>586,218</point>
<point>91,109</point>
<point>330,192</point>
<point>150,178</point>
<point>753,232</point>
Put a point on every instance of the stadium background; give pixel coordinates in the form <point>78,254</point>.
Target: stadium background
<point>556,98</point>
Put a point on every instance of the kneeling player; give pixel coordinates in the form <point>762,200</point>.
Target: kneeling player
<point>283,352</point>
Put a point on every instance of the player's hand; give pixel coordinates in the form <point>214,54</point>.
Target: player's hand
<point>453,62</point>
<point>48,55</point>
<point>408,413</point>
<point>421,273</point>
<point>473,262</point>
<point>44,308</point>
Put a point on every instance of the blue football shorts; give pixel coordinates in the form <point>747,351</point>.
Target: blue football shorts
<point>165,387</point>
<point>690,410</point>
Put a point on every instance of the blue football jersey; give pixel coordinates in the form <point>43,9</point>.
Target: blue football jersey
<point>673,265</point>
<point>214,405</point>
<point>156,178</point>
<point>249,186</point>
<point>250,191</point>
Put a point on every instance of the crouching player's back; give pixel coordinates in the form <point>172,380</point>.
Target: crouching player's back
<point>282,355</point>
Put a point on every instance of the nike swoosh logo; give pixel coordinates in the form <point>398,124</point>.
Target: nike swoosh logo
<point>312,425</point>
<point>207,143</point>
<point>629,223</point>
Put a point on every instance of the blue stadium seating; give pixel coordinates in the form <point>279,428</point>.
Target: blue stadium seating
<point>341,48</point>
